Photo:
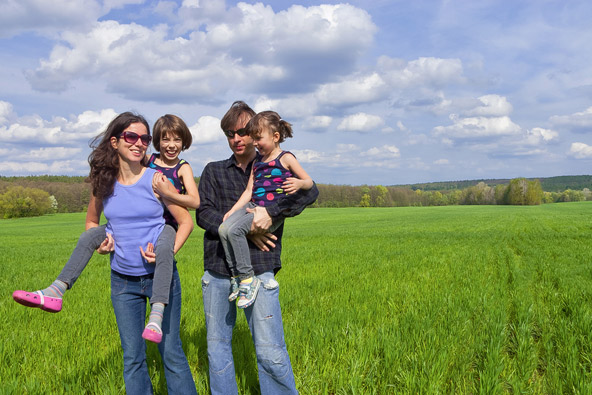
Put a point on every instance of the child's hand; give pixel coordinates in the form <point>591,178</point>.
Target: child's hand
<point>292,185</point>
<point>228,214</point>
<point>107,245</point>
<point>159,185</point>
<point>149,254</point>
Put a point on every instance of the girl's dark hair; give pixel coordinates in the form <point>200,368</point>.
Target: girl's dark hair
<point>171,125</point>
<point>103,160</point>
<point>238,111</point>
<point>272,121</point>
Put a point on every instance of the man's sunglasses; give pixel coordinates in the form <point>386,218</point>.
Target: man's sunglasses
<point>132,138</point>
<point>241,132</point>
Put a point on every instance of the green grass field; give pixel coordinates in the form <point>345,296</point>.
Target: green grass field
<point>458,299</point>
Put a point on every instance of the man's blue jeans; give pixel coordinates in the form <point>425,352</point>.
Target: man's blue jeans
<point>265,321</point>
<point>129,295</point>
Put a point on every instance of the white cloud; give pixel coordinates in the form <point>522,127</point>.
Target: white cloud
<point>428,71</point>
<point>491,105</point>
<point>384,152</point>
<point>342,148</point>
<point>580,151</point>
<point>478,127</point>
<point>308,156</point>
<point>259,50</point>
<point>6,112</point>
<point>442,162</point>
<point>363,89</point>
<point>53,153</point>
<point>536,136</point>
<point>576,122</point>
<point>361,122</point>
<point>206,130</point>
<point>318,122</point>
<point>57,167</point>
<point>46,16</point>
<point>402,127</point>
<point>58,131</point>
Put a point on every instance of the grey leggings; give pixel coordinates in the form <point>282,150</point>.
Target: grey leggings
<point>233,235</point>
<point>90,240</point>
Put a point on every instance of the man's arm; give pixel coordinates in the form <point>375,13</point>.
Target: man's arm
<point>293,204</point>
<point>208,216</point>
<point>288,206</point>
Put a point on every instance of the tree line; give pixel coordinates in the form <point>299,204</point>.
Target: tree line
<point>39,195</point>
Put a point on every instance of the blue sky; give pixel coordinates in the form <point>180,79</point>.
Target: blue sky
<point>378,92</point>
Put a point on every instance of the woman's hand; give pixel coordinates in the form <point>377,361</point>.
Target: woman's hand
<point>107,245</point>
<point>149,254</point>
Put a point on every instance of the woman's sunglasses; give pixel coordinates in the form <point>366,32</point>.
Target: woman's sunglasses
<point>131,138</point>
<point>241,132</point>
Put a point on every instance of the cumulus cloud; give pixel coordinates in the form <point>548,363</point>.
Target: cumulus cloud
<point>537,135</point>
<point>47,17</point>
<point>580,122</point>
<point>318,122</point>
<point>402,127</point>
<point>491,106</point>
<point>309,156</point>
<point>580,151</point>
<point>426,71</point>
<point>54,167</point>
<point>58,131</point>
<point>362,89</point>
<point>206,130</point>
<point>290,50</point>
<point>6,112</point>
<point>478,127</point>
<point>361,122</point>
<point>384,152</point>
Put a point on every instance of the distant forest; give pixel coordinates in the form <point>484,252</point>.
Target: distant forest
<point>37,195</point>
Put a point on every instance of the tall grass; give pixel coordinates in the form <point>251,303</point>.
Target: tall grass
<point>457,299</point>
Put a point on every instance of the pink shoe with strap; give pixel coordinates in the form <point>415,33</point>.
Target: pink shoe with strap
<point>37,299</point>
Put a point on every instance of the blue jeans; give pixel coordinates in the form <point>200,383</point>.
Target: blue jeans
<point>128,296</point>
<point>265,321</point>
<point>91,239</point>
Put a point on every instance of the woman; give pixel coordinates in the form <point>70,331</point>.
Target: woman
<point>122,188</point>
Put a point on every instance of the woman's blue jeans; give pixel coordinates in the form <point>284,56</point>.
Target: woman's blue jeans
<point>128,296</point>
<point>265,321</point>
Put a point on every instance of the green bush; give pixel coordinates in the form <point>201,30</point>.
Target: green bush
<point>19,202</point>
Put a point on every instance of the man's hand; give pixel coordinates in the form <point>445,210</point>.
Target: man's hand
<point>149,254</point>
<point>261,220</point>
<point>107,245</point>
<point>263,241</point>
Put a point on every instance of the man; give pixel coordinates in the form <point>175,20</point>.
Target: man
<point>220,186</point>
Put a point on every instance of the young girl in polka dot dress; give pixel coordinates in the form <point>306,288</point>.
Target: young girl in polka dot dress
<point>275,173</point>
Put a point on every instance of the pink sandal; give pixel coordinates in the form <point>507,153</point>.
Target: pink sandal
<point>37,299</point>
<point>153,335</point>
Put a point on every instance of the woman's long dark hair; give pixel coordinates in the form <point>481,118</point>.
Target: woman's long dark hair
<point>103,160</point>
